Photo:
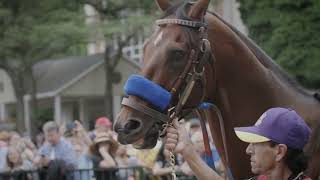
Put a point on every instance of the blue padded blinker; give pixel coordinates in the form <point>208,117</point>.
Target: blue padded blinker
<point>149,91</point>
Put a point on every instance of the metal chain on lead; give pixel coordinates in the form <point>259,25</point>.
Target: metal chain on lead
<point>172,156</point>
<point>172,159</point>
<point>172,164</point>
<point>164,129</point>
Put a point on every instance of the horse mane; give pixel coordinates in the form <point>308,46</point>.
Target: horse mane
<point>267,61</point>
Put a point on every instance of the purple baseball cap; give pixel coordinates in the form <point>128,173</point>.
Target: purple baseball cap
<point>281,125</point>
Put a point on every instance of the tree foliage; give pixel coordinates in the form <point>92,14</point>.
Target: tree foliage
<point>288,31</point>
<point>34,30</point>
<point>120,17</point>
<point>121,21</point>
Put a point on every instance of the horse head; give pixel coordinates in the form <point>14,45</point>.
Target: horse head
<point>175,63</point>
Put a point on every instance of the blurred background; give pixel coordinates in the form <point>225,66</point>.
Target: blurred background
<point>64,63</point>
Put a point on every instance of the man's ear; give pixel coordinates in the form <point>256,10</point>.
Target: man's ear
<point>281,151</point>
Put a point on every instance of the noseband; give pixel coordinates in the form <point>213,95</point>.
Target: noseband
<point>193,72</point>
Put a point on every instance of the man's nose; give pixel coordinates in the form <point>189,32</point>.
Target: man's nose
<point>249,149</point>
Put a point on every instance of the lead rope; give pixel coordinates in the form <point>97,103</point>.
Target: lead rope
<point>171,155</point>
<point>172,161</point>
<point>162,133</point>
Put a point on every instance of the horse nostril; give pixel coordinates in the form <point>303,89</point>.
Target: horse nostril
<point>132,125</point>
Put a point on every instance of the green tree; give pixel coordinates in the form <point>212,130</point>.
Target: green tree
<point>31,31</point>
<point>120,18</point>
<point>288,31</point>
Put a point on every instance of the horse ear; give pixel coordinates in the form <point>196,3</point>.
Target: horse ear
<point>163,4</point>
<point>198,10</point>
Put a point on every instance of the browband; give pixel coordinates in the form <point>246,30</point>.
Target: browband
<point>193,24</point>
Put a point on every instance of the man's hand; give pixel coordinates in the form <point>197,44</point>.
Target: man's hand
<point>177,139</point>
<point>41,161</point>
<point>45,161</point>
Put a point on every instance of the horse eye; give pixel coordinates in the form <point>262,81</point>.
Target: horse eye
<point>177,55</point>
<point>176,59</point>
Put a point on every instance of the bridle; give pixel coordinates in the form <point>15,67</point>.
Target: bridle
<point>193,72</point>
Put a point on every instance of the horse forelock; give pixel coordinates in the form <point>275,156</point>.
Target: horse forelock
<point>180,11</point>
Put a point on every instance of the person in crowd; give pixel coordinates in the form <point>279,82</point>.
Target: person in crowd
<point>75,130</point>
<point>145,157</point>
<point>55,148</point>
<point>276,143</point>
<point>14,138</point>
<point>3,155</point>
<point>15,161</point>
<point>102,153</point>
<point>30,146</point>
<point>39,139</point>
<point>122,157</point>
<point>5,136</point>
<point>194,126</point>
<point>103,124</point>
<point>125,163</point>
<point>214,162</point>
<point>84,161</point>
<point>24,146</point>
<point>26,152</point>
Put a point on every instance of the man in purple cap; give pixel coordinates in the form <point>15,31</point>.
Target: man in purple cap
<point>276,143</point>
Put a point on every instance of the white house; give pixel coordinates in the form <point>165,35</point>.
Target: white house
<point>73,87</point>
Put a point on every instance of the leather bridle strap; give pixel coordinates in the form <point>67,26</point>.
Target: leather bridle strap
<point>196,73</point>
<point>145,109</point>
<point>223,133</point>
<point>205,135</point>
<point>181,78</point>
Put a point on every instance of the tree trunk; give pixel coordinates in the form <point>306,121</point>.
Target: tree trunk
<point>108,95</point>
<point>19,91</point>
<point>20,114</point>
<point>33,105</point>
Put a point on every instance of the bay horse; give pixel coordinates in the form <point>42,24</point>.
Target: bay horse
<point>238,77</point>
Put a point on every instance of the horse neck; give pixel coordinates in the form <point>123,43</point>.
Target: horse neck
<point>245,84</point>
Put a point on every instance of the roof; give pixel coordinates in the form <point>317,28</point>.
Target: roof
<point>52,75</point>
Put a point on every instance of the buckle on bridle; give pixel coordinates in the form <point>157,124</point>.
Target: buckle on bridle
<point>198,74</point>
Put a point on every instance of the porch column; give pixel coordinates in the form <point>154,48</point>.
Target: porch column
<point>83,112</point>
<point>3,114</point>
<point>26,100</point>
<point>57,109</point>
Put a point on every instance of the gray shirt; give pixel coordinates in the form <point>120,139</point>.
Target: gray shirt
<point>3,158</point>
<point>61,151</point>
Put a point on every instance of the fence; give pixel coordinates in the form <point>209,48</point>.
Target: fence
<point>132,173</point>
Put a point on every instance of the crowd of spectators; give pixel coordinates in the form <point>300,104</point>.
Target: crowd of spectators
<point>76,153</point>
